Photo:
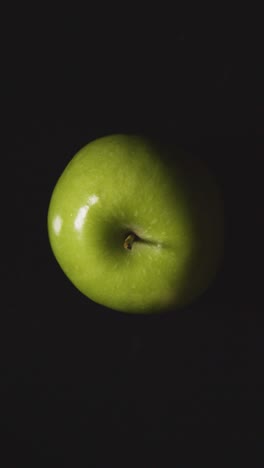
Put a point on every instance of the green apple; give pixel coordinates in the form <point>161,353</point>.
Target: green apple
<point>137,226</point>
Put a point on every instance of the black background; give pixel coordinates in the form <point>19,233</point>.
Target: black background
<point>83,385</point>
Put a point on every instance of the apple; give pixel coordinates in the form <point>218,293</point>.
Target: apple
<point>137,226</point>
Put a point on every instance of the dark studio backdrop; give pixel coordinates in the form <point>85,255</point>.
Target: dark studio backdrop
<point>85,385</point>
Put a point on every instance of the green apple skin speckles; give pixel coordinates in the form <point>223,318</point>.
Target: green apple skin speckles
<point>123,184</point>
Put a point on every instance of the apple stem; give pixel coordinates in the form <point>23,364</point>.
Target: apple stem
<point>129,240</point>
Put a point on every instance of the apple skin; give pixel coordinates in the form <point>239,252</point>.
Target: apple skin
<point>123,184</point>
